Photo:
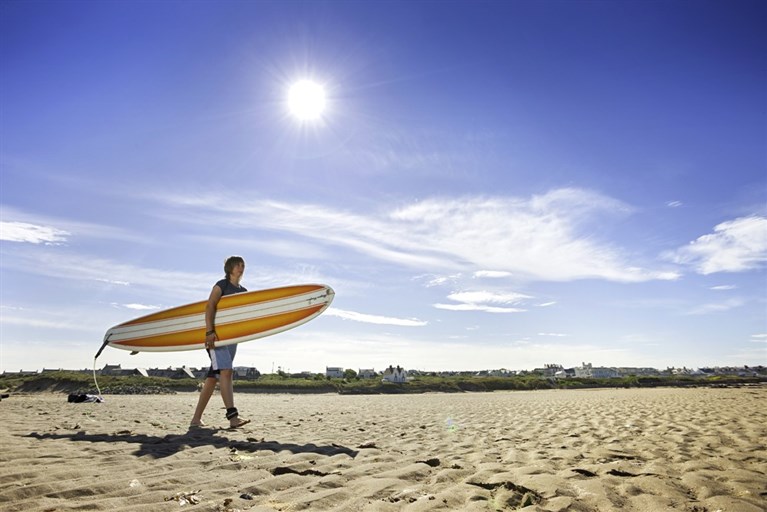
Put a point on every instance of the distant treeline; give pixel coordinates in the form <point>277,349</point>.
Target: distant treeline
<point>70,382</point>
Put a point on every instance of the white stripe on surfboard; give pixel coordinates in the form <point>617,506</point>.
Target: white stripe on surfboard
<point>232,341</point>
<point>149,333</point>
<point>223,316</point>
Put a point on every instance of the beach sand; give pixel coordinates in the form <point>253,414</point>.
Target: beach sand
<point>587,450</point>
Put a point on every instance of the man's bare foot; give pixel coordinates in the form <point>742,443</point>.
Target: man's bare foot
<point>238,422</point>
<point>196,424</point>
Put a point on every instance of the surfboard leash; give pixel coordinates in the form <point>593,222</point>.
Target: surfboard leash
<point>95,381</point>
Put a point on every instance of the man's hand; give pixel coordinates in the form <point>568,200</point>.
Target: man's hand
<point>210,341</point>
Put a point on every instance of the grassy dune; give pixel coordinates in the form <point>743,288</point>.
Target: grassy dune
<point>70,382</point>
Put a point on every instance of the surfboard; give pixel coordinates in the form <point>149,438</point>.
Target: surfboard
<point>240,317</point>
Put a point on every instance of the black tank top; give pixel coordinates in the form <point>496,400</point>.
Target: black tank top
<point>228,288</point>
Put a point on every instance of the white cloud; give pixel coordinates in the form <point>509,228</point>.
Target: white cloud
<point>432,280</point>
<point>734,246</point>
<point>34,228</point>
<point>484,301</point>
<point>374,319</point>
<point>31,233</point>
<point>137,307</point>
<point>724,287</point>
<point>547,304</point>
<point>759,338</point>
<point>71,266</point>
<point>674,204</point>
<point>485,296</point>
<point>544,237</point>
<point>149,280</point>
<point>38,322</point>
<point>554,334</point>
<point>111,281</point>
<point>376,350</point>
<point>717,307</point>
<point>492,274</point>
<point>478,307</point>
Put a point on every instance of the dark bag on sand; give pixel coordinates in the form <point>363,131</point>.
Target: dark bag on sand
<point>75,398</point>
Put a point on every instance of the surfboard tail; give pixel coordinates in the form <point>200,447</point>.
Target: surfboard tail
<point>103,346</point>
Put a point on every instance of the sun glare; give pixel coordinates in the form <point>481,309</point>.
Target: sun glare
<point>306,100</point>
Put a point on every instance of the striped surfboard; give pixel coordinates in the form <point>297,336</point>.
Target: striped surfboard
<point>239,317</point>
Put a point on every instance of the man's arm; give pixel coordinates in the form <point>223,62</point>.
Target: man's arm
<point>210,316</point>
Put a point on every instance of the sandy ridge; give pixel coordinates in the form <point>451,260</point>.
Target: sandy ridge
<point>695,450</point>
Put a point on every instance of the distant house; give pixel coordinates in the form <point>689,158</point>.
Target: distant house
<point>334,372</point>
<point>246,373</point>
<point>549,370</point>
<point>566,373</point>
<point>302,375</point>
<point>392,374</point>
<point>367,373</point>
<point>116,370</point>
<point>587,370</point>
<point>636,372</point>
<point>20,373</point>
<point>111,369</point>
<point>172,373</point>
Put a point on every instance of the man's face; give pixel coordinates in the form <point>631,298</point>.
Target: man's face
<point>238,270</point>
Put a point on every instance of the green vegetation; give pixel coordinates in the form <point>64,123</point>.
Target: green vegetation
<point>76,382</point>
<point>80,382</point>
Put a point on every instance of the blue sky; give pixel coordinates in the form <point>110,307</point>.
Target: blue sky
<point>492,184</point>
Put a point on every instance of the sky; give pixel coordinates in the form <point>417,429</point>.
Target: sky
<point>491,184</point>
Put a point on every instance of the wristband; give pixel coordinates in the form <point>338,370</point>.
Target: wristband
<point>210,332</point>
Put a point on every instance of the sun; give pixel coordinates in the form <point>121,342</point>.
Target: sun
<point>306,100</point>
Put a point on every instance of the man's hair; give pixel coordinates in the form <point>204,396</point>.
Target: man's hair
<point>231,262</point>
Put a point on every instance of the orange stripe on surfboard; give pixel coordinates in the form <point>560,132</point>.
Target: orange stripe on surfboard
<point>227,302</point>
<point>225,332</point>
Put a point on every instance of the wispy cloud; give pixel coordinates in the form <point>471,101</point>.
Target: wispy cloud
<point>484,301</point>
<point>374,319</point>
<point>674,204</point>
<point>23,226</point>
<point>546,304</point>
<point>717,307</point>
<point>45,323</point>
<point>80,267</point>
<point>136,307</point>
<point>25,232</point>
<point>113,281</point>
<point>734,246</point>
<point>723,287</point>
<point>554,334</point>
<point>544,237</point>
<point>489,297</point>
<point>758,338</point>
<point>434,280</point>
<point>492,274</point>
<point>68,265</point>
<point>478,307</point>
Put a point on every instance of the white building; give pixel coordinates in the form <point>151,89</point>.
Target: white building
<point>334,372</point>
<point>367,373</point>
<point>392,374</point>
<point>599,372</point>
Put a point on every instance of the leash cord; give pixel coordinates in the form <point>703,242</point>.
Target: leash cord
<point>95,381</point>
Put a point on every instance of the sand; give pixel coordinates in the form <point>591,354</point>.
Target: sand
<point>592,450</point>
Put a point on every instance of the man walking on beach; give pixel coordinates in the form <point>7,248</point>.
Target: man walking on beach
<point>221,358</point>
